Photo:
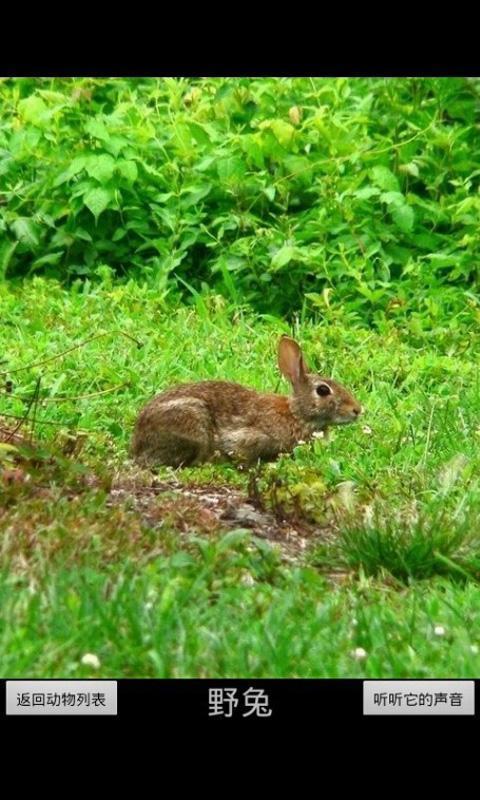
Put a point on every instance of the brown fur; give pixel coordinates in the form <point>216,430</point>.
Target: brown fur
<point>196,422</point>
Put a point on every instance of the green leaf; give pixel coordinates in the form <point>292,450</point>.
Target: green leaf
<point>53,97</point>
<point>399,255</point>
<point>252,148</point>
<point>81,233</point>
<point>26,232</point>
<point>33,110</point>
<point>444,259</point>
<point>385,179</point>
<point>76,166</point>
<point>97,200</point>
<point>404,218</point>
<point>163,197</point>
<point>283,131</point>
<point>269,191</point>
<point>100,167</point>
<point>199,133</point>
<point>299,167</point>
<point>283,256</point>
<point>192,195</point>
<point>223,92</point>
<point>231,168</point>
<point>410,169</point>
<point>367,192</point>
<point>7,250</point>
<point>205,163</point>
<point>128,169</point>
<point>119,234</point>
<point>426,240</point>
<point>392,198</point>
<point>97,129</point>
<point>115,144</point>
<point>228,280</point>
<point>6,162</point>
<point>50,258</point>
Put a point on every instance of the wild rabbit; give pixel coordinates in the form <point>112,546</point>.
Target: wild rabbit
<point>195,422</point>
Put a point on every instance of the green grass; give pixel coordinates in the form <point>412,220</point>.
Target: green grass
<point>399,500</point>
<point>193,620</point>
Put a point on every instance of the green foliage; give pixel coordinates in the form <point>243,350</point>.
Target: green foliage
<point>285,194</point>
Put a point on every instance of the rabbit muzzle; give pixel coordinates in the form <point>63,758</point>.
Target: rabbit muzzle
<point>347,415</point>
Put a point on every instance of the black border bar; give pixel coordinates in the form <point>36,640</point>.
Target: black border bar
<point>180,701</point>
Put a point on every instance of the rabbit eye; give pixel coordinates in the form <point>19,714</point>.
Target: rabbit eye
<point>323,389</point>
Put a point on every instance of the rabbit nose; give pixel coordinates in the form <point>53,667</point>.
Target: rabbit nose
<point>357,410</point>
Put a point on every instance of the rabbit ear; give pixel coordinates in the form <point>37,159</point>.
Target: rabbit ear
<point>291,361</point>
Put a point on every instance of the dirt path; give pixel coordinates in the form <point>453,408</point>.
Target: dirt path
<point>211,508</point>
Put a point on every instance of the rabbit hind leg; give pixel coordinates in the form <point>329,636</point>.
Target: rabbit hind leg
<point>174,434</point>
<point>175,450</point>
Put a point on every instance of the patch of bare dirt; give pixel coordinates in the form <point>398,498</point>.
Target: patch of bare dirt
<point>209,509</point>
<point>206,509</point>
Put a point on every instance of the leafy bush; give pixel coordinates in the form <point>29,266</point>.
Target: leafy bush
<point>280,193</point>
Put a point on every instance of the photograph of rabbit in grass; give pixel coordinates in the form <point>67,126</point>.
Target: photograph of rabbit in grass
<point>240,377</point>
